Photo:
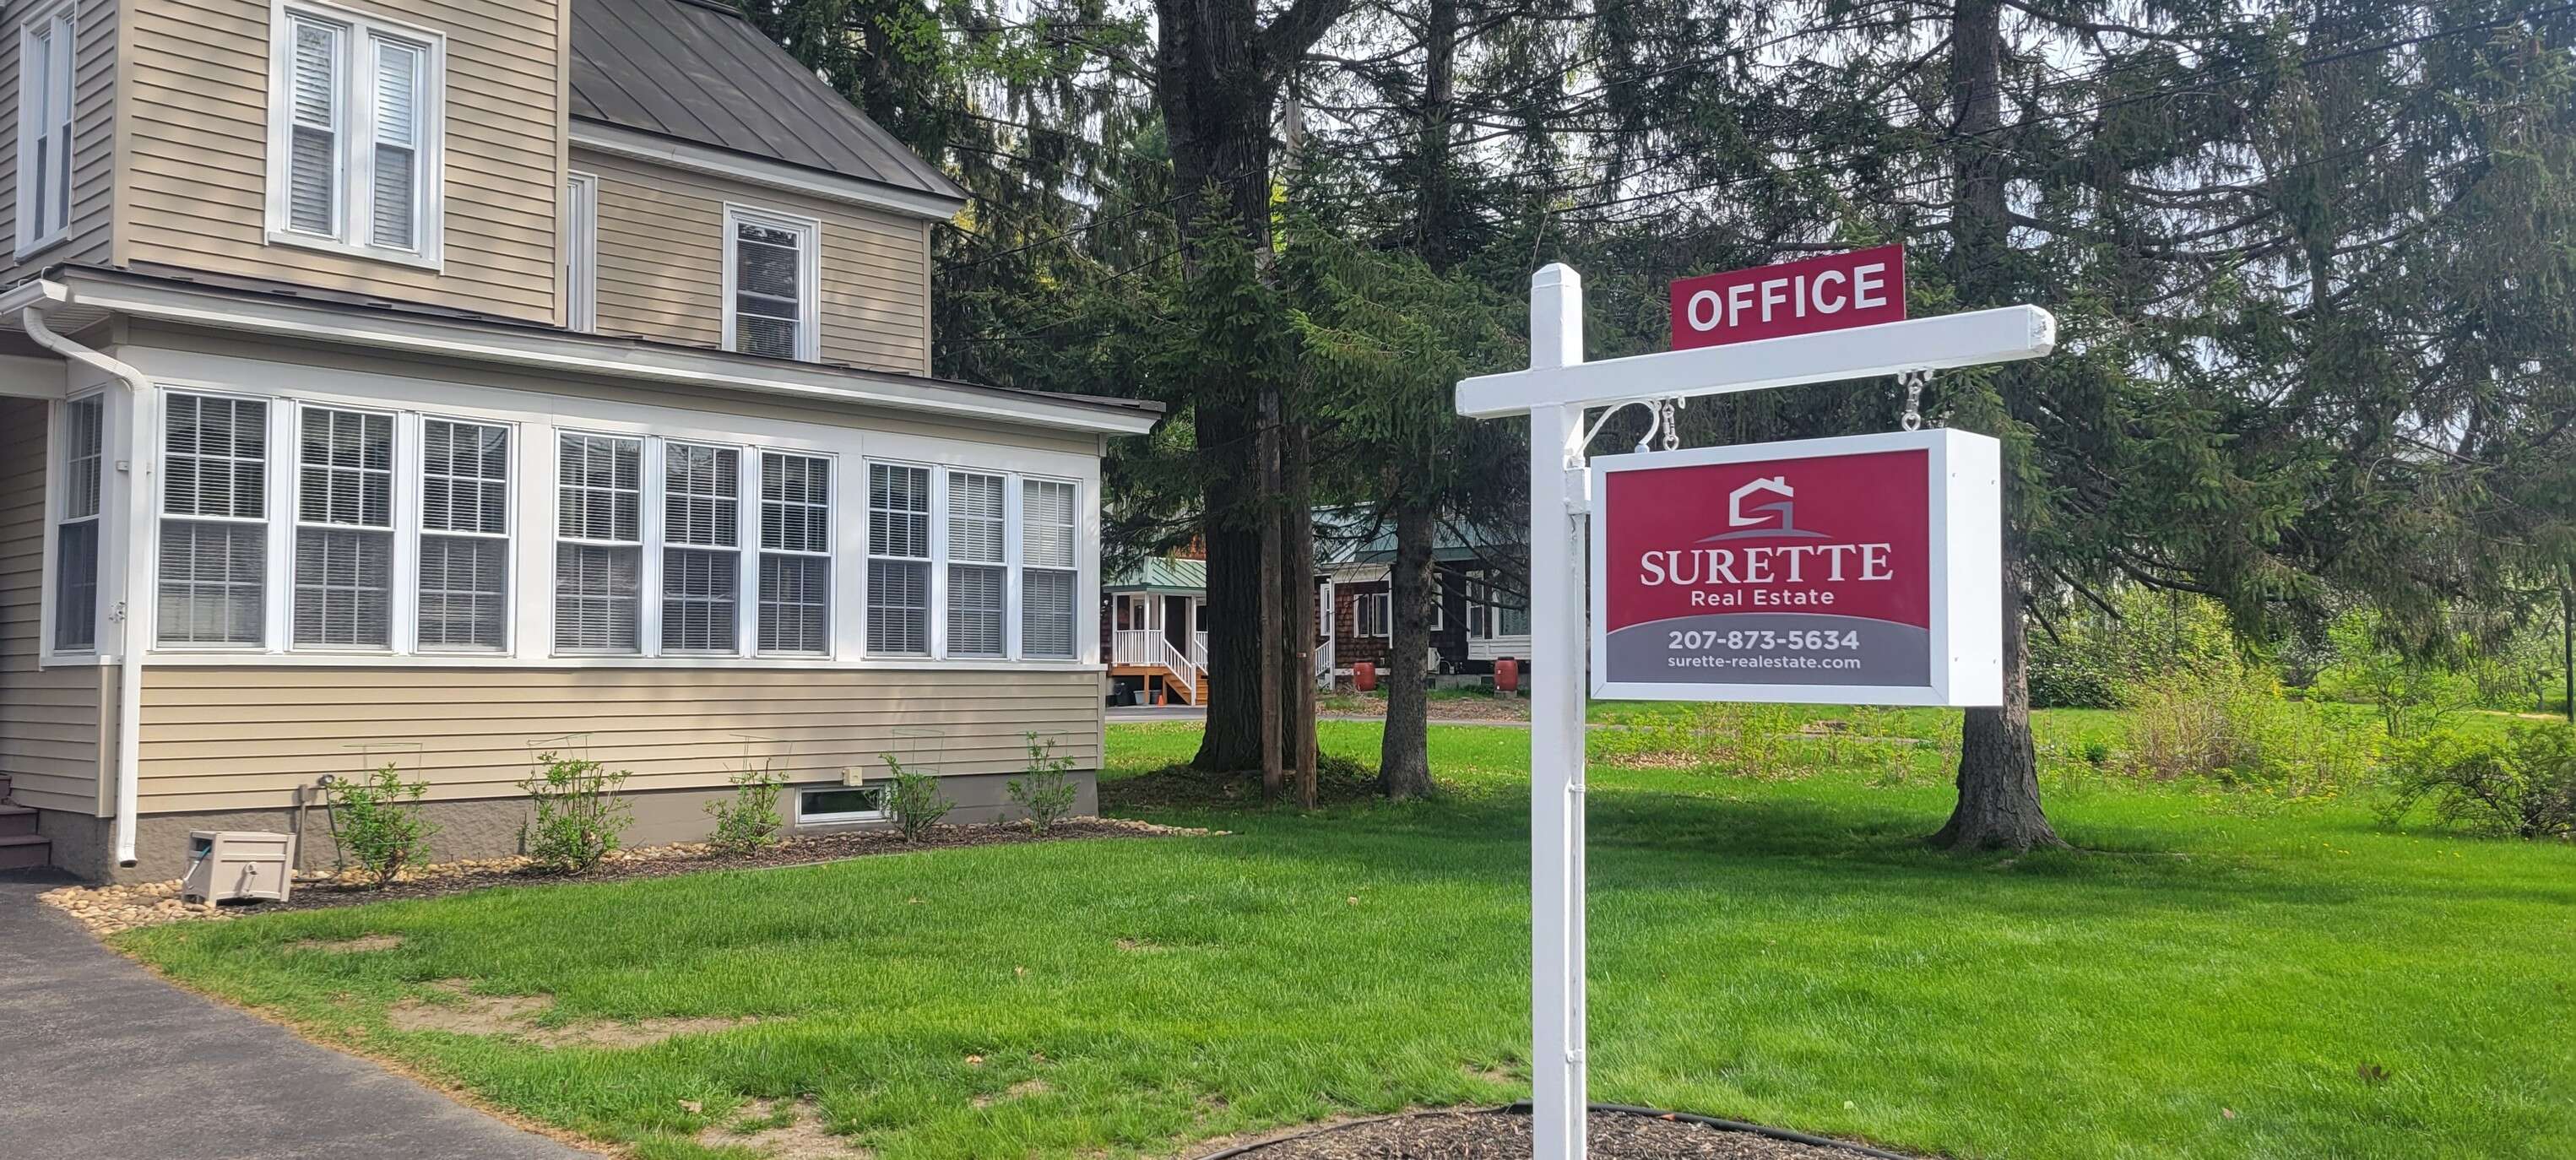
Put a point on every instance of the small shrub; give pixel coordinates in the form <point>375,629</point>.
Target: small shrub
<point>914,800</point>
<point>377,824</point>
<point>2232,725</point>
<point>1046,792</point>
<point>748,822</point>
<point>2413,695</point>
<point>578,816</point>
<point>2521,785</point>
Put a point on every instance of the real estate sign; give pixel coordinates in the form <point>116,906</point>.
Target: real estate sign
<point>1833,292</point>
<point>1865,569</point>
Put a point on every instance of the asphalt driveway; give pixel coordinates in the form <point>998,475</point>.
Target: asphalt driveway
<point>103,1061</point>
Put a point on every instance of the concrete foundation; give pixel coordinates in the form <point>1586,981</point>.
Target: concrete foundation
<point>481,828</point>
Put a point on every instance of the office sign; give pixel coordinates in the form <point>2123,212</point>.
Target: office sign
<point>1860,288</point>
<point>1858,570</point>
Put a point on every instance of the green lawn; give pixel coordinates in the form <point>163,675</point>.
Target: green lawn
<point>2213,981</point>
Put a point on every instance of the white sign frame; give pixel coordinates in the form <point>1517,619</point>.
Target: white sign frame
<point>1965,485</point>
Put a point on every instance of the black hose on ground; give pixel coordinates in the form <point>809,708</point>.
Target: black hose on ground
<point>1522,1107</point>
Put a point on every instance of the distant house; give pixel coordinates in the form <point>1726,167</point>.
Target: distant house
<point>437,384</point>
<point>1482,616</point>
<point>1153,631</point>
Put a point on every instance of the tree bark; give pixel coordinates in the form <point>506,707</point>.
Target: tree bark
<point>1998,804</point>
<point>1404,755</point>
<point>1273,633</point>
<point>1217,77</point>
<point>1297,593</point>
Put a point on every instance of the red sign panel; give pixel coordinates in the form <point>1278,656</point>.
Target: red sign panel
<point>1860,288</point>
<point>1864,568</point>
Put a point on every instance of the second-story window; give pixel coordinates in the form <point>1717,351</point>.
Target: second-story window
<point>771,287</point>
<point>44,127</point>
<point>354,135</point>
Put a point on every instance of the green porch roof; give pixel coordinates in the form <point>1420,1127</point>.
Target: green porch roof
<point>1159,574</point>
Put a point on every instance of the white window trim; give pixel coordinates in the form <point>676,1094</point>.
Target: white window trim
<point>410,487</point>
<point>756,547</point>
<point>663,544</point>
<point>876,815</point>
<point>357,135</point>
<point>1383,603</point>
<point>57,443</point>
<point>66,30</point>
<point>534,426</point>
<point>1015,530</point>
<point>937,535</point>
<point>395,556</point>
<point>277,615</point>
<point>648,535</point>
<point>809,279</point>
<point>581,252</point>
<point>946,563</point>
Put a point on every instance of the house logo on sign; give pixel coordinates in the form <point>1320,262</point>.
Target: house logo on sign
<point>1752,525</point>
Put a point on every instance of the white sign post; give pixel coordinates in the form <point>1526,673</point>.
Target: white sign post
<point>1555,393</point>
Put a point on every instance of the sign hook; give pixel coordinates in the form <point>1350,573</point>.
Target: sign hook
<point>1914,381</point>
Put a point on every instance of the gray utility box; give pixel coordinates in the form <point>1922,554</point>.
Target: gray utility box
<point>230,864</point>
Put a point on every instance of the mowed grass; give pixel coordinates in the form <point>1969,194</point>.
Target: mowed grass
<point>2222,976</point>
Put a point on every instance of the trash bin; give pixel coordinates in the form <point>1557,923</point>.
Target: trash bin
<point>231,864</point>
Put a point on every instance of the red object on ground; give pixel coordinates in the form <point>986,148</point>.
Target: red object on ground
<point>1363,676</point>
<point>1159,694</point>
<point>1507,675</point>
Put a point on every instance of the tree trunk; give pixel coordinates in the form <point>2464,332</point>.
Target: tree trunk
<point>1404,755</point>
<point>1232,740</point>
<point>1297,592</point>
<point>1273,625</point>
<point>1998,765</point>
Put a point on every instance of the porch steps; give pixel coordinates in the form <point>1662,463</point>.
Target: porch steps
<point>21,847</point>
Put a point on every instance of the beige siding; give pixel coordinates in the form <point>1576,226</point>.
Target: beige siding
<point>49,718</point>
<point>661,263</point>
<point>93,135</point>
<point>234,737</point>
<point>196,182</point>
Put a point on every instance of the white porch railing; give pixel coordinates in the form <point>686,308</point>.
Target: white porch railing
<point>1148,646</point>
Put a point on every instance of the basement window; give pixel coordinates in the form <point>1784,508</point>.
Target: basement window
<point>841,804</point>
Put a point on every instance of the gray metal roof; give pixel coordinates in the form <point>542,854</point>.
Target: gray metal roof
<point>702,74</point>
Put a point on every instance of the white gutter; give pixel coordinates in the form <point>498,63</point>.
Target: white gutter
<point>32,301</point>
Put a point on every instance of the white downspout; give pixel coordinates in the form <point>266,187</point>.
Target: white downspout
<point>138,543</point>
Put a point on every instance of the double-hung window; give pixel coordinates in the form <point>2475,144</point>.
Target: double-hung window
<point>76,526</point>
<point>214,525</point>
<point>45,50</point>
<point>355,134</point>
<point>1048,567</point>
<point>1374,613</point>
<point>772,289</point>
<point>701,553</point>
<point>599,550</point>
<point>977,565</point>
<point>898,560</point>
<point>795,553</point>
<point>464,536</point>
<point>344,529</point>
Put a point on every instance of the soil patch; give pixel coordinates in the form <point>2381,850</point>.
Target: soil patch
<point>800,1137</point>
<point>1505,1135</point>
<point>1021,1090</point>
<point>107,910</point>
<point>467,1013</point>
<point>351,946</point>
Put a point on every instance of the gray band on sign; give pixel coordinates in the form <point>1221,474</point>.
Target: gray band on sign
<point>1886,653</point>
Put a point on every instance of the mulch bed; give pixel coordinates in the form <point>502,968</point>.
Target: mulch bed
<point>1505,1135</point>
<point>109,909</point>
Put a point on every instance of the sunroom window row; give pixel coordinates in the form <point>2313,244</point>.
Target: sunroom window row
<point>663,546</point>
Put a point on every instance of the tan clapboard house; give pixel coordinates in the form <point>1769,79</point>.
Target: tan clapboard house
<point>443,382</point>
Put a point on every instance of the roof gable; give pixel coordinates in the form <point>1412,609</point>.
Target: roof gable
<point>701,74</point>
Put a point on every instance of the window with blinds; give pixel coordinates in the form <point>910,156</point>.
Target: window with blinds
<point>976,565</point>
<point>464,536</point>
<point>45,50</point>
<point>771,285</point>
<point>214,527</point>
<point>599,549</point>
<point>795,553</point>
<point>344,520</point>
<point>356,136</point>
<point>701,537</point>
<point>1048,566</point>
<point>898,559</point>
<point>76,527</point>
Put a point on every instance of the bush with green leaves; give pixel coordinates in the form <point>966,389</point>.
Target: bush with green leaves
<point>748,821</point>
<point>376,823</point>
<point>1046,792</point>
<point>913,798</point>
<point>2520,785</point>
<point>578,816</point>
<point>2085,656</point>
<point>2231,724</point>
<point>2412,694</point>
